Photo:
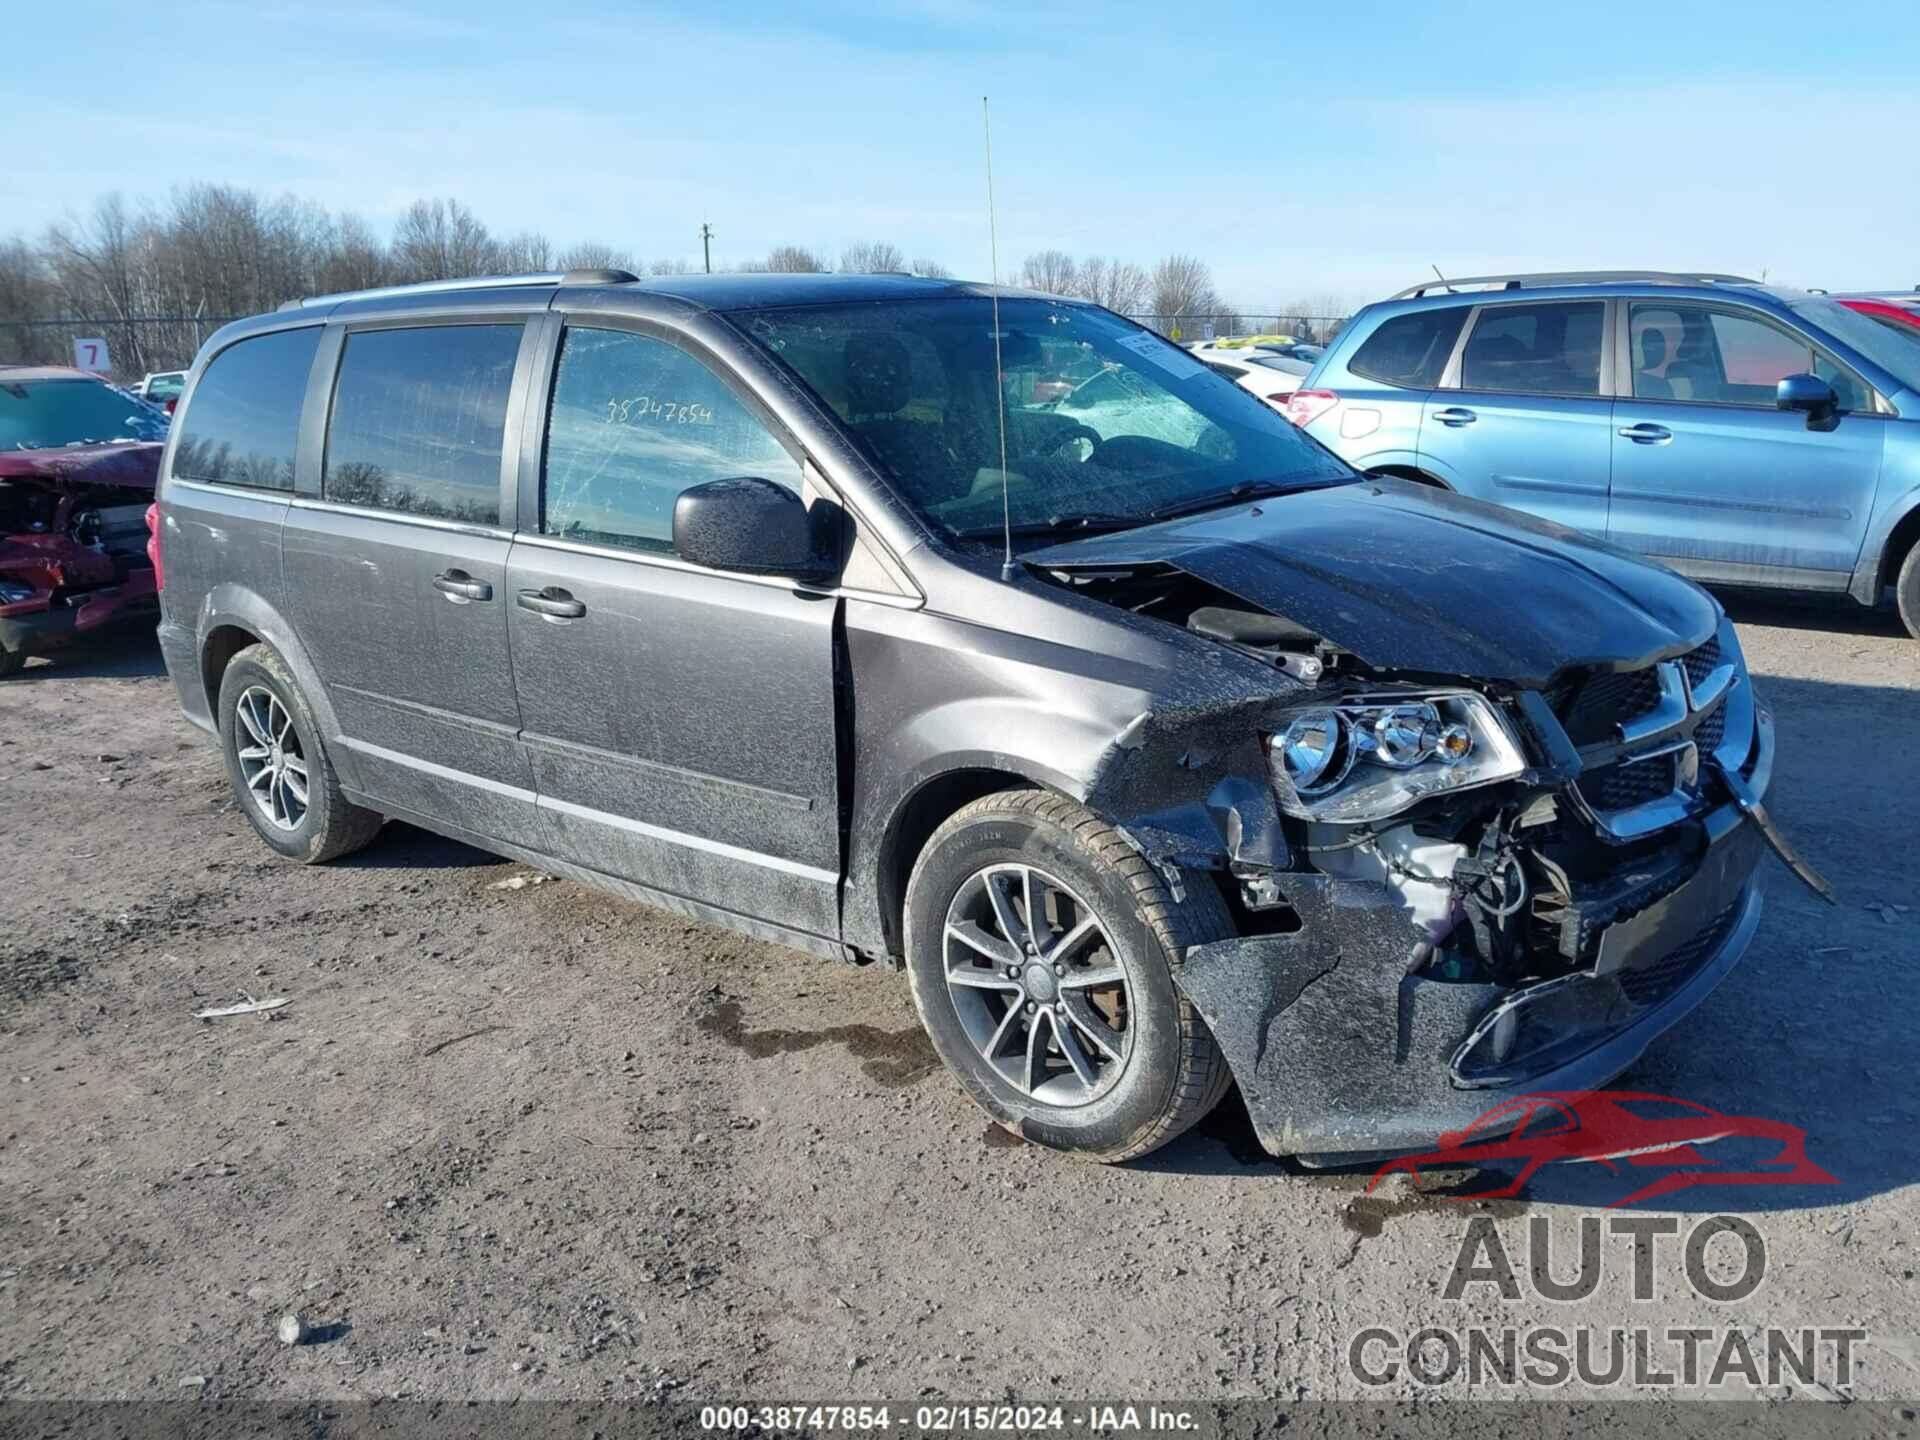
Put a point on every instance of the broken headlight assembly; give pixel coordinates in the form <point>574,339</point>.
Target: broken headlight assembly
<point>1371,757</point>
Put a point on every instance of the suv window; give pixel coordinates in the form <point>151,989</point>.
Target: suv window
<point>418,418</point>
<point>1536,349</point>
<point>1716,357</point>
<point>243,424</point>
<point>634,422</point>
<point>1410,350</point>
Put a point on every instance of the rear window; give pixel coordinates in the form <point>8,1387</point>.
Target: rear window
<point>1410,350</point>
<point>243,421</point>
<point>418,419</point>
<point>1536,349</point>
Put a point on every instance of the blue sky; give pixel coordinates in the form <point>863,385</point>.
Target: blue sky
<point>1303,149</point>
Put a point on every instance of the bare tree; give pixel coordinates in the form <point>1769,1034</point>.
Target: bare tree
<point>669,267</point>
<point>1182,287</point>
<point>591,255</point>
<point>872,257</point>
<point>442,240</point>
<point>357,261</point>
<point>1117,284</point>
<point>1053,271</point>
<point>528,253</point>
<point>795,260</point>
<point>931,269</point>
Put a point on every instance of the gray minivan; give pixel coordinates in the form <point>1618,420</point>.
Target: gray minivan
<point>1158,747</point>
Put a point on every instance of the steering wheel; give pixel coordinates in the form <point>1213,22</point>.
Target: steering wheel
<point>1073,434</point>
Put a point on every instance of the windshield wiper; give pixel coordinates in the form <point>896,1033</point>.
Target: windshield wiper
<point>1083,522</point>
<point>1245,490</point>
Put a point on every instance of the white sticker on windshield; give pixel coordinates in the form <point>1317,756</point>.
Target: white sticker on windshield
<point>1176,363</point>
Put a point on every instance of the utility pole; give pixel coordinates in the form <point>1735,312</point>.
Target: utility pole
<point>706,244</point>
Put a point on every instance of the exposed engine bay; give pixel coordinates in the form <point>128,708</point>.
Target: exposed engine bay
<point>1476,881</point>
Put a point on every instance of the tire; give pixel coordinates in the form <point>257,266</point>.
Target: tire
<point>326,825</point>
<point>12,662</point>
<point>1168,1073</point>
<point>1906,591</point>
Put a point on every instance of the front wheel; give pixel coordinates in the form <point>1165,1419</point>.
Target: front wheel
<point>1041,948</point>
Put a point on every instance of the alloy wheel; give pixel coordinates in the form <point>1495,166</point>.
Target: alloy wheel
<point>1038,984</point>
<point>272,763</point>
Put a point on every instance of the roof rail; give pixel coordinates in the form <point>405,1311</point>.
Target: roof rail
<point>1571,277</point>
<point>472,282</point>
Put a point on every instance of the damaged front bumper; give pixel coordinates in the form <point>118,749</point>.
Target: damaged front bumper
<point>1341,1053</point>
<point>1346,1045</point>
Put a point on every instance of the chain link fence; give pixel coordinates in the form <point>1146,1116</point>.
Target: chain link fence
<point>1229,325</point>
<point>134,347</point>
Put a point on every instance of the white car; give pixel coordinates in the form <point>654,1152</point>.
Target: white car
<point>1271,376</point>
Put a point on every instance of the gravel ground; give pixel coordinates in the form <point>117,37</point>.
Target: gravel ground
<point>523,1140</point>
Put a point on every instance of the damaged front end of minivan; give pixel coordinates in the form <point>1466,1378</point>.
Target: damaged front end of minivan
<point>1469,851</point>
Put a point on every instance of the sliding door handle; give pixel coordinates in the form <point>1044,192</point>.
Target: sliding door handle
<point>460,587</point>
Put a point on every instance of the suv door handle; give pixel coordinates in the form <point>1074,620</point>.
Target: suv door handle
<point>552,603</point>
<point>1455,416</point>
<point>460,587</point>
<point>1646,434</point>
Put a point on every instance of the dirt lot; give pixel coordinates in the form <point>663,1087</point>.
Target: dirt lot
<point>538,1142</point>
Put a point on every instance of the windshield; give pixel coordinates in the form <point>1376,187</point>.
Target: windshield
<point>1891,351</point>
<point>47,414</point>
<point>1107,424</point>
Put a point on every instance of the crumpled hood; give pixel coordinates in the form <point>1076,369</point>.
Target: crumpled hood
<point>133,465</point>
<point>1415,579</point>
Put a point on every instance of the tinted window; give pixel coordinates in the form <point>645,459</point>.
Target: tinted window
<point>634,422</point>
<point>1716,357</point>
<point>1535,349</point>
<point>417,420</point>
<point>243,421</point>
<point>1411,349</point>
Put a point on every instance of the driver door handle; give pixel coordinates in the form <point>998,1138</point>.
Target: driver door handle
<point>1455,416</point>
<point>1646,434</point>
<point>461,588</point>
<point>552,603</point>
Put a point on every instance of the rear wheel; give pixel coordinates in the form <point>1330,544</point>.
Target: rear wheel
<point>1041,948</point>
<point>282,779</point>
<point>11,661</point>
<point>1907,591</point>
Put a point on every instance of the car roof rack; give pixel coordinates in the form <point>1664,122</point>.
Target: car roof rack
<point>1570,277</point>
<point>473,282</point>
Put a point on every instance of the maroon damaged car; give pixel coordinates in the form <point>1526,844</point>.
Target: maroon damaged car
<point>77,465</point>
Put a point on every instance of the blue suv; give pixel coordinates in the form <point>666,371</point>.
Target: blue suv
<point>1740,433</point>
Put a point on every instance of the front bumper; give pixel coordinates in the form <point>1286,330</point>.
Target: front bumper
<point>37,631</point>
<point>1340,1052</point>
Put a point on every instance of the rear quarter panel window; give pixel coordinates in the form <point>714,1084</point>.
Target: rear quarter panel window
<point>1536,349</point>
<point>243,422</point>
<point>1410,350</point>
<point>418,420</point>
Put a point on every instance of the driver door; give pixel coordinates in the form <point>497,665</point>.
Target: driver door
<point>682,723</point>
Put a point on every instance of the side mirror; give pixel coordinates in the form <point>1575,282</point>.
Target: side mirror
<point>750,526</point>
<point>1812,396</point>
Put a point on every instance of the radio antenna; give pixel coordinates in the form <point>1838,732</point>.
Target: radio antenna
<point>999,377</point>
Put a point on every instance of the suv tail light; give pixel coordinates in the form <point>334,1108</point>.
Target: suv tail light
<point>1306,406</point>
<point>153,546</point>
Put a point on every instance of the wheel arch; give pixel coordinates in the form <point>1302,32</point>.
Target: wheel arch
<point>1410,472</point>
<point>1900,541</point>
<point>231,619</point>
<point>923,809</point>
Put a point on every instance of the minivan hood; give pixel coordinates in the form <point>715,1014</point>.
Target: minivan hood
<point>1411,578</point>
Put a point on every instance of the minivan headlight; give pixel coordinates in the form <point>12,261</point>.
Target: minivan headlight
<point>1372,757</point>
